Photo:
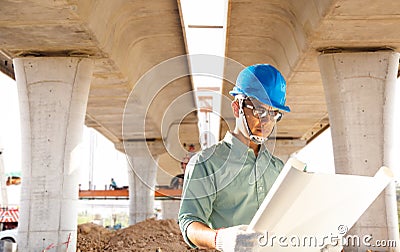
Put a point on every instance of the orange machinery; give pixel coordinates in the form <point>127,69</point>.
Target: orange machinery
<point>160,193</point>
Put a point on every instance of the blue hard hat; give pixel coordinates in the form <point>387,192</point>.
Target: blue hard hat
<point>264,83</point>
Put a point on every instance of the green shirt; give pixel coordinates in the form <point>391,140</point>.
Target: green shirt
<point>225,184</point>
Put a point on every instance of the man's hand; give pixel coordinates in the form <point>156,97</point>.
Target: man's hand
<point>236,238</point>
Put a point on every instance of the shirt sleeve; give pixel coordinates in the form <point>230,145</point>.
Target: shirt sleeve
<point>197,199</point>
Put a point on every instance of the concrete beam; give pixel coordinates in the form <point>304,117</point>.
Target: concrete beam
<point>6,65</point>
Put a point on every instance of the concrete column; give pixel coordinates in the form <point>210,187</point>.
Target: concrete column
<point>53,93</point>
<point>170,209</point>
<point>142,171</point>
<point>359,89</point>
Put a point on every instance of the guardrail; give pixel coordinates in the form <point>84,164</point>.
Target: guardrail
<point>161,193</point>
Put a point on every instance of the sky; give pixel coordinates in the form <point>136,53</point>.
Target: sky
<point>9,124</point>
<point>205,27</point>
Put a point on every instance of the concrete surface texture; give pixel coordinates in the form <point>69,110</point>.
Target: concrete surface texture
<point>53,93</point>
<point>291,34</point>
<point>359,88</point>
<point>121,37</point>
<point>142,170</point>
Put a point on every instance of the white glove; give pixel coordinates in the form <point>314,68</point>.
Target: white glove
<point>236,238</point>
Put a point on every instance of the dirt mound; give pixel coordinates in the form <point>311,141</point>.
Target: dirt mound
<point>92,237</point>
<point>149,235</point>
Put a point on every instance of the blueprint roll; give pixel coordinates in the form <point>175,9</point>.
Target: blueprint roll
<point>301,213</point>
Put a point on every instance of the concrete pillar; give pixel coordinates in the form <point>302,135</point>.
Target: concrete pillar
<point>142,171</point>
<point>53,93</point>
<point>170,209</point>
<point>359,89</point>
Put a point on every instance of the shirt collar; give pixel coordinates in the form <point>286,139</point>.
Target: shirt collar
<point>240,147</point>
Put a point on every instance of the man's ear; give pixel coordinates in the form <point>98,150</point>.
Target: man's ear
<point>235,108</point>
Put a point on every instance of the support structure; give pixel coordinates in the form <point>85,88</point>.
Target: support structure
<point>170,209</point>
<point>142,172</point>
<point>360,89</point>
<point>53,93</point>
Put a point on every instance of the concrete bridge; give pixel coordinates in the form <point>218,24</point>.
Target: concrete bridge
<point>120,67</point>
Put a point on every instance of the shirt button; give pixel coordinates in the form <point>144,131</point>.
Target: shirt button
<point>260,188</point>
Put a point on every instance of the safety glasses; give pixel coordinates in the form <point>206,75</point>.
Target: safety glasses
<point>263,113</point>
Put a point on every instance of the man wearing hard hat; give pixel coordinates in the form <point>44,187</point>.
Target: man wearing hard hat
<point>225,184</point>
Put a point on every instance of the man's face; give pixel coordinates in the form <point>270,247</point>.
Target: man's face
<point>261,118</point>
